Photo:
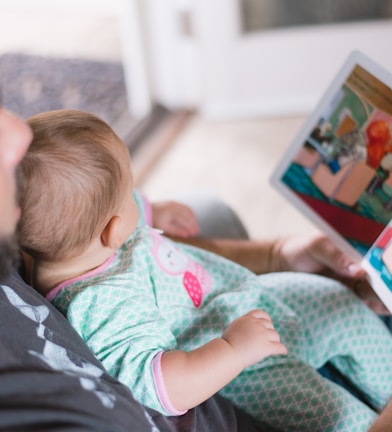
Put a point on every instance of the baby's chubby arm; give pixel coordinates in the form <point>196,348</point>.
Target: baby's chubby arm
<point>192,377</point>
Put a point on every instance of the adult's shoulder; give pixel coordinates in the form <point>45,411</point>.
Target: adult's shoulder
<point>49,380</point>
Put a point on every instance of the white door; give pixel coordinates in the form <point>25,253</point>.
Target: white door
<point>275,71</point>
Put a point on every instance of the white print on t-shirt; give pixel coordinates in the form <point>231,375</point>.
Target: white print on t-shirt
<point>56,356</point>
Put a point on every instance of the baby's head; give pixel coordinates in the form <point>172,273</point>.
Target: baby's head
<point>76,178</point>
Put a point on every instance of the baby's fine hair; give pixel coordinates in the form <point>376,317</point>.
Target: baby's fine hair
<point>70,184</point>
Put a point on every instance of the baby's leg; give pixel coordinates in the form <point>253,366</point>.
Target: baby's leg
<point>339,328</point>
<point>292,396</point>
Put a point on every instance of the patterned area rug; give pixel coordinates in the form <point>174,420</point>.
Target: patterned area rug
<point>31,84</point>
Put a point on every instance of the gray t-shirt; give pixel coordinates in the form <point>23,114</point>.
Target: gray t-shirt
<point>50,381</point>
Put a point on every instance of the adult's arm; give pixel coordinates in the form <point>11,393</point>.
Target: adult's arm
<point>311,253</point>
<point>257,256</point>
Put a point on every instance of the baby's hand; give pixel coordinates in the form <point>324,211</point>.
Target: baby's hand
<point>174,218</point>
<point>253,337</point>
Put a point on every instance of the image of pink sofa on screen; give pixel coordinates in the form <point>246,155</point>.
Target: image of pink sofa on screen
<point>347,184</point>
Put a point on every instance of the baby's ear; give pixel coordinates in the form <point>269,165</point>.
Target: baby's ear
<point>111,234</point>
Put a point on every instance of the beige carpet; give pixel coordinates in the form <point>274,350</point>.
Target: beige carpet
<point>234,160</point>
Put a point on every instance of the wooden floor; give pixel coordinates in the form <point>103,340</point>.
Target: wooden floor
<point>234,160</point>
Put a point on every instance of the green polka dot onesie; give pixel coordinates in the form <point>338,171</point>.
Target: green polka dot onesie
<point>155,295</point>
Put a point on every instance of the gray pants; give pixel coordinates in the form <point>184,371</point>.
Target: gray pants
<point>216,219</point>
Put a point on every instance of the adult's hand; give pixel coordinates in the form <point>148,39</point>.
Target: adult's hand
<point>316,253</point>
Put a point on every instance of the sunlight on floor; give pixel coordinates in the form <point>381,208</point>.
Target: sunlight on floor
<point>234,160</point>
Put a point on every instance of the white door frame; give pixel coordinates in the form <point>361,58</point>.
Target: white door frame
<point>173,62</point>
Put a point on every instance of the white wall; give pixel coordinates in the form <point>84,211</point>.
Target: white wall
<point>226,74</point>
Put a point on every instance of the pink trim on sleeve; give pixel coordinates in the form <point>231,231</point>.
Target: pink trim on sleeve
<point>54,291</point>
<point>147,210</point>
<point>160,386</point>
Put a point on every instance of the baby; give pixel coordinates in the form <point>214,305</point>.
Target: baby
<point>177,323</point>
